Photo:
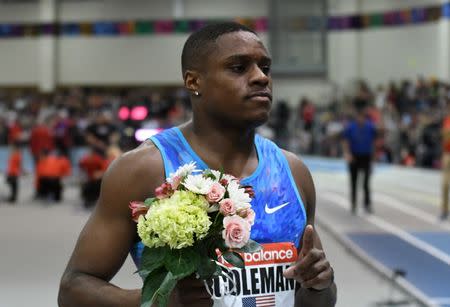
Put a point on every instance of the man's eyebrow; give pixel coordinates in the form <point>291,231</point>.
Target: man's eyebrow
<point>246,57</point>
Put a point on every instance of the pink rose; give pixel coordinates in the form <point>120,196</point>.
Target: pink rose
<point>227,207</point>
<point>138,208</point>
<point>163,191</point>
<point>236,231</point>
<point>248,214</point>
<point>216,193</point>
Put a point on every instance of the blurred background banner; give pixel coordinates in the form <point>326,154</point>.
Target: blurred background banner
<point>403,17</point>
<point>48,29</point>
<point>446,10</point>
<point>182,26</point>
<point>127,28</point>
<point>72,29</point>
<point>164,26</point>
<point>105,28</point>
<point>144,27</point>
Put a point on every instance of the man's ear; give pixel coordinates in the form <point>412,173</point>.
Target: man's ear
<point>192,80</point>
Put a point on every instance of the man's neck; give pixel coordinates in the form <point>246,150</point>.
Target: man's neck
<point>227,148</point>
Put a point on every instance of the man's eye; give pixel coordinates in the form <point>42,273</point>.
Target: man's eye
<point>265,69</point>
<point>238,68</point>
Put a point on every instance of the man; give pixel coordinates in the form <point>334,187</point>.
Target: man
<point>102,132</point>
<point>14,171</point>
<point>226,68</point>
<point>445,163</point>
<point>358,148</point>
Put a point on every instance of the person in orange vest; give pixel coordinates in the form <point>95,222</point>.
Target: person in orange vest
<point>14,171</point>
<point>51,168</point>
<point>93,164</point>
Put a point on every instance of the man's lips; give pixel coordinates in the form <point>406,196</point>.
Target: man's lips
<point>260,95</point>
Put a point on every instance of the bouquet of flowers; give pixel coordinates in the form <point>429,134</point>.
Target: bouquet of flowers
<point>195,218</point>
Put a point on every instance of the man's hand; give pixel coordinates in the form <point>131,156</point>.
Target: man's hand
<point>348,157</point>
<point>191,291</point>
<point>312,269</point>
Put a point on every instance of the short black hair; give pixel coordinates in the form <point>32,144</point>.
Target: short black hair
<point>198,45</point>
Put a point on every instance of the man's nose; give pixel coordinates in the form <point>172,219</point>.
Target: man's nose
<point>259,76</point>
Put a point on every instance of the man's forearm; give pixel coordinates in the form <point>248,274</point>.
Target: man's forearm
<point>311,298</point>
<point>345,147</point>
<point>81,290</point>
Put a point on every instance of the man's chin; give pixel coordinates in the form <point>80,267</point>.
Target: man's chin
<point>258,121</point>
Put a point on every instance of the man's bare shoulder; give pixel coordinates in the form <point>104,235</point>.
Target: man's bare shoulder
<point>296,164</point>
<point>140,171</point>
<point>303,180</point>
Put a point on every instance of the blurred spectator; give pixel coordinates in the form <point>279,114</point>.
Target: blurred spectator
<point>14,129</point>
<point>445,163</point>
<point>14,171</point>
<point>93,165</point>
<point>363,96</point>
<point>306,113</point>
<point>333,127</point>
<point>408,157</point>
<point>279,123</point>
<point>102,132</point>
<point>358,146</point>
<point>380,97</point>
<point>51,168</point>
<point>63,131</point>
<point>406,97</point>
<point>41,139</point>
<point>392,95</point>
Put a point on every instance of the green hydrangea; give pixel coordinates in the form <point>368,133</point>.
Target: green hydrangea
<point>176,221</point>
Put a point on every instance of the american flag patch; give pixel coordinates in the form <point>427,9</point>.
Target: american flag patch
<point>259,301</point>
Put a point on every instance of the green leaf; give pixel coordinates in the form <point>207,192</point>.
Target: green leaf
<point>163,293</point>
<point>208,268</point>
<point>222,171</point>
<point>219,271</point>
<point>149,201</point>
<point>152,258</point>
<point>157,287</point>
<point>221,245</point>
<point>250,247</point>
<point>209,174</point>
<point>182,262</point>
<point>234,259</point>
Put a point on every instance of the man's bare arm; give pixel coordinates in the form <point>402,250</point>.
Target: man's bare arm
<point>107,237</point>
<point>306,296</point>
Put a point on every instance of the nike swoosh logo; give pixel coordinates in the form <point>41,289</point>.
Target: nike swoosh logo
<point>275,209</point>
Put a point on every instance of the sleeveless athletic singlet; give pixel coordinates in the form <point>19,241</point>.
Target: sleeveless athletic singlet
<point>280,219</point>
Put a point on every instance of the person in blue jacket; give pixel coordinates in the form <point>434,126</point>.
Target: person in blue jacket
<point>358,148</point>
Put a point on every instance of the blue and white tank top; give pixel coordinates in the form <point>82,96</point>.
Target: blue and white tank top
<point>280,219</point>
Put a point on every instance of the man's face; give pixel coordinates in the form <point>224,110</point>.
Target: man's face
<point>235,83</point>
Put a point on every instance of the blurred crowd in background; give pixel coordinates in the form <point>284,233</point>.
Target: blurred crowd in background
<point>408,115</point>
<point>103,123</point>
<point>106,122</point>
